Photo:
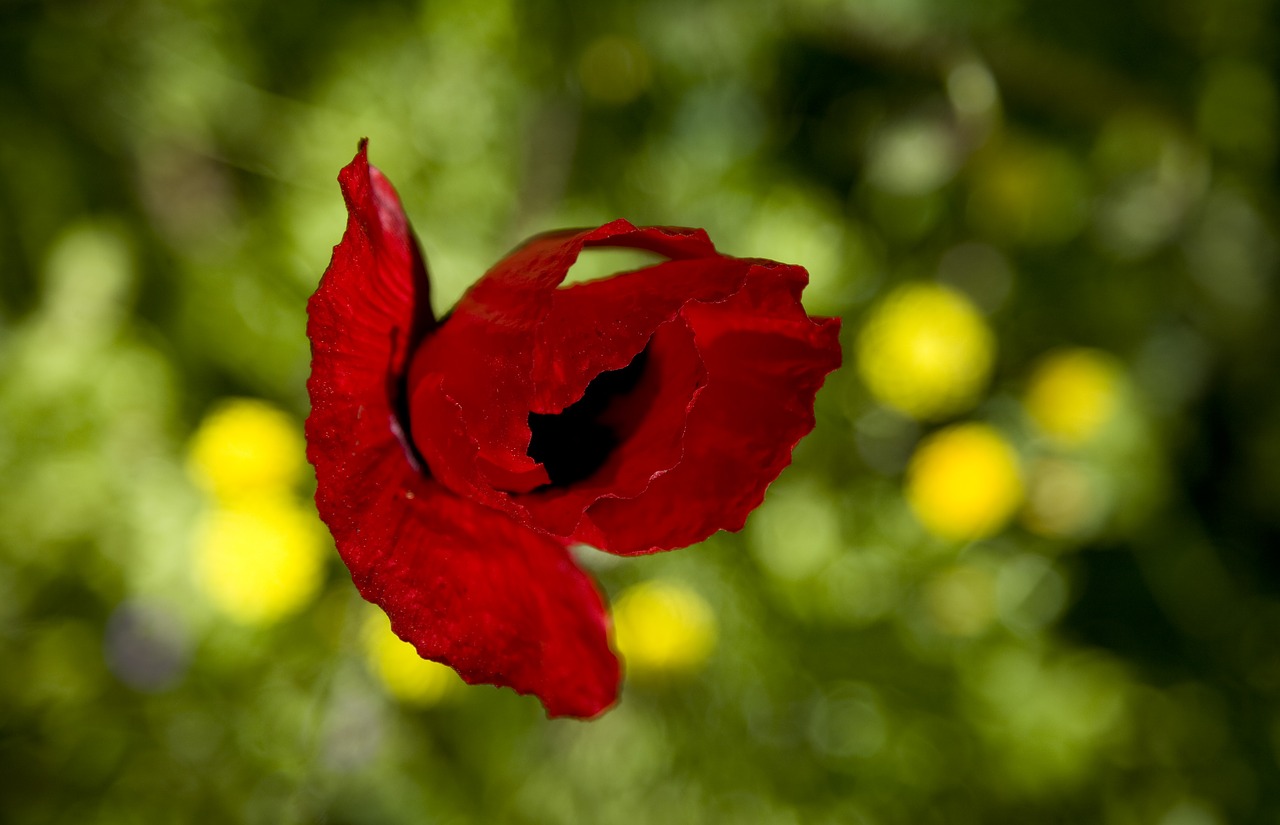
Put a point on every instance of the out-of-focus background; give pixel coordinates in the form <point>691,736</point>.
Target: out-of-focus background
<point>1025,570</point>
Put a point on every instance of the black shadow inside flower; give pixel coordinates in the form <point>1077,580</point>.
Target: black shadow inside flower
<point>575,443</point>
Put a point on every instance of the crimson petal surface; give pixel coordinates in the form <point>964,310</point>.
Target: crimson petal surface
<point>463,583</point>
<point>765,361</point>
<point>517,344</point>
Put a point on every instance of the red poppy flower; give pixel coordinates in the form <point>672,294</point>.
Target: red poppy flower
<point>456,459</point>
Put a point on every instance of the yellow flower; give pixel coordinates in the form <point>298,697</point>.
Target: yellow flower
<point>963,483</point>
<point>403,673</point>
<point>260,561</point>
<point>926,351</point>
<point>1073,393</point>
<point>663,628</point>
<point>246,447</point>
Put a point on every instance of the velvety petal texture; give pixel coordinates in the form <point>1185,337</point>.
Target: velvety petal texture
<point>765,361</point>
<point>457,459</point>
<point>726,366</point>
<point>462,582</point>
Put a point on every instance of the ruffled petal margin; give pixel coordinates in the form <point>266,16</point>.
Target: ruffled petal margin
<point>516,344</point>
<point>463,583</point>
<point>737,395</point>
<point>766,360</point>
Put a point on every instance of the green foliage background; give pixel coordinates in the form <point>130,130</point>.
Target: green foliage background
<point>168,202</point>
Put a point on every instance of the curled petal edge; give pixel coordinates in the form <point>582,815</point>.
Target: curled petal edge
<point>463,583</point>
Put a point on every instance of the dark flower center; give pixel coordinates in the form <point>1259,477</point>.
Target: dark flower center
<point>576,442</point>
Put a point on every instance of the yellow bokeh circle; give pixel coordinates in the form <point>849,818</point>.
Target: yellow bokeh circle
<point>260,561</point>
<point>926,351</point>
<point>1073,393</point>
<point>404,674</point>
<point>663,628</point>
<point>244,447</point>
<point>964,482</point>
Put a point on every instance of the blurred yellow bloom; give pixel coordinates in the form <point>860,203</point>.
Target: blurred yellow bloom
<point>246,447</point>
<point>663,628</point>
<point>403,673</point>
<point>260,561</point>
<point>964,482</point>
<point>926,351</point>
<point>1073,393</point>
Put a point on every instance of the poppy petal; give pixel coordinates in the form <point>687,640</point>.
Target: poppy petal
<point>495,601</point>
<point>370,309</point>
<point>647,426</point>
<point>601,325</point>
<point>765,361</point>
<point>516,344</point>
<point>463,583</point>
